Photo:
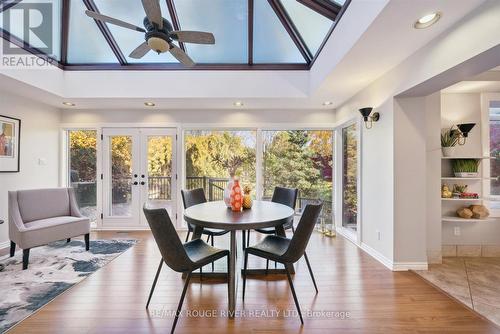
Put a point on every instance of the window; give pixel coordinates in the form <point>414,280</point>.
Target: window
<point>494,116</point>
<point>300,159</point>
<point>212,157</point>
<point>83,170</point>
<point>350,177</point>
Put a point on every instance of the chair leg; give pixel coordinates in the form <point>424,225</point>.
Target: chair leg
<point>154,282</point>
<point>245,274</point>
<point>187,236</point>
<point>212,244</point>
<point>243,239</point>
<point>208,238</point>
<point>68,240</point>
<point>248,238</point>
<point>12,248</point>
<point>26,257</point>
<point>275,265</point>
<point>293,293</point>
<point>201,274</point>
<point>293,229</point>
<point>228,286</point>
<point>267,266</point>
<point>180,302</point>
<point>87,241</point>
<point>310,271</point>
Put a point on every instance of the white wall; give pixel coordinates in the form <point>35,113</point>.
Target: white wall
<point>240,117</point>
<point>39,140</point>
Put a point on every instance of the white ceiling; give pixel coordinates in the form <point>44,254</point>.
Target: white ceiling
<point>371,39</point>
<point>487,82</point>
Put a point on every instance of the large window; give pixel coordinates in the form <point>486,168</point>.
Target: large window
<point>350,177</point>
<point>212,157</point>
<point>83,169</point>
<point>300,159</point>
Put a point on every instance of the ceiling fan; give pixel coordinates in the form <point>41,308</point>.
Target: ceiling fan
<point>159,33</point>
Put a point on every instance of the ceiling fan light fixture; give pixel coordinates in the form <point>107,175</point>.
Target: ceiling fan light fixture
<point>158,44</point>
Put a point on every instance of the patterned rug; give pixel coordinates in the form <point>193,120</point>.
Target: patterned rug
<point>52,270</point>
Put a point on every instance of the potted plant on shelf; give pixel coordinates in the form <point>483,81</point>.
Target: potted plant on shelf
<point>449,140</point>
<point>465,167</point>
<point>458,190</point>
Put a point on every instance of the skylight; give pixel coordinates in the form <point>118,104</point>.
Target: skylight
<point>256,34</point>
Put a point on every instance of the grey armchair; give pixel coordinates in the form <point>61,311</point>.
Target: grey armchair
<point>37,217</point>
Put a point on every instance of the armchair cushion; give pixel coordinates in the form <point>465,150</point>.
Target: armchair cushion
<point>44,203</point>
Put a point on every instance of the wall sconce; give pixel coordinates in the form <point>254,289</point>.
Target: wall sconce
<point>463,132</point>
<point>365,112</point>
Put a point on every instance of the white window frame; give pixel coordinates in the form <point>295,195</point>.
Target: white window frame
<point>486,99</point>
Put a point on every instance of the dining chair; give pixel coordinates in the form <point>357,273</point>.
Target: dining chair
<point>281,195</point>
<point>287,251</point>
<point>193,197</point>
<point>183,258</point>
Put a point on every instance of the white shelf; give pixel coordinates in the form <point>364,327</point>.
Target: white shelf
<point>453,219</point>
<point>476,158</point>
<point>462,199</point>
<point>461,178</point>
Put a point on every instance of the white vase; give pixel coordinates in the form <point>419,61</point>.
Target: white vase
<point>448,151</point>
<point>227,193</point>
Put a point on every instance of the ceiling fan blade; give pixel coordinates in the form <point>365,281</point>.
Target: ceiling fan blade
<point>104,18</point>
<point>198,37</point>
<point>181,56</point>
<point>140,51</point>
<point>153,12</point>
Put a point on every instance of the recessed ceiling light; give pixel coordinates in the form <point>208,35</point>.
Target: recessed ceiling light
<point>238,104</point>
<point>69,104</point>
<point>327,103</point>
<point>149,104</point>
<point>427,20</point>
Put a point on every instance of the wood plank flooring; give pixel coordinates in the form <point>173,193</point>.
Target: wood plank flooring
<point>360,294</point>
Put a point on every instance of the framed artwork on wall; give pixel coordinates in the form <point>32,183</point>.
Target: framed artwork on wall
<point>10,138</point>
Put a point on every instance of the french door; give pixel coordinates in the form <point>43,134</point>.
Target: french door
<point>138,167</point>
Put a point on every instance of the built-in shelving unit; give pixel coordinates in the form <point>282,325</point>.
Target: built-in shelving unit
<point>474,184</point>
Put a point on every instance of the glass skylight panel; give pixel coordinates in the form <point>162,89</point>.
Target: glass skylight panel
<point>37,18</point>
<point>86,44</point>
<point>131,11</point>
<point>272,44</point>
<point>226,19</point>
<point>313,27</point>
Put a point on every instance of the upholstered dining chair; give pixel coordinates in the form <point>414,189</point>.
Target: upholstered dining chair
<point>288,251</point>
<point>183,258</point>
<point>193,197</point>
<point>281,195</point>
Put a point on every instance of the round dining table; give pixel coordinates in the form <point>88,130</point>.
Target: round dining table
<point>217,215</point>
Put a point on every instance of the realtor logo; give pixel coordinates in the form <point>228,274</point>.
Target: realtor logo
<point>32,23</point>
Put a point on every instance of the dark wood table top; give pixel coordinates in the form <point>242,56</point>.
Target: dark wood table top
<point>217,215</point>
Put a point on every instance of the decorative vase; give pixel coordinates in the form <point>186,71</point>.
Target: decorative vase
<point>227,193</point>
<point>236,196</point>
<point>448,151</point>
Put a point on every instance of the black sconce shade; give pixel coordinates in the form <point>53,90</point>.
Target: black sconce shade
<point>465,128</point>
<point>365,112</point>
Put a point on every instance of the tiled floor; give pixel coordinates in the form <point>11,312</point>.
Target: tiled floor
<point>471,280</point>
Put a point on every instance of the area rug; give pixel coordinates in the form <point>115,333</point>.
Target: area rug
<point>52,270</point>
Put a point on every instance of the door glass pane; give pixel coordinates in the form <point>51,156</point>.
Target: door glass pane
<point>121,175</point>
<point>495,152</point>
<point>160,171</point>
<point>212,156</point>
<point>83,170</point>
<point>350,177</point>
<point>301,159</point>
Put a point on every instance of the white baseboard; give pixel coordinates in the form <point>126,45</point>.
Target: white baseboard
<point>405,266</point>
<point>377,256</point>
<point>5,244</point>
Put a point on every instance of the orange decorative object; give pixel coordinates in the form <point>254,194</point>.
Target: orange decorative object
<point>236,196</point>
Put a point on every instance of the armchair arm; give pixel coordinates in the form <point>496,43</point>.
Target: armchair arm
<point>73,206</point>
<point>16,223</point>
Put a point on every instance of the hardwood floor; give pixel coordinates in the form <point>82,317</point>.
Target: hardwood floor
<point>372,298</point>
